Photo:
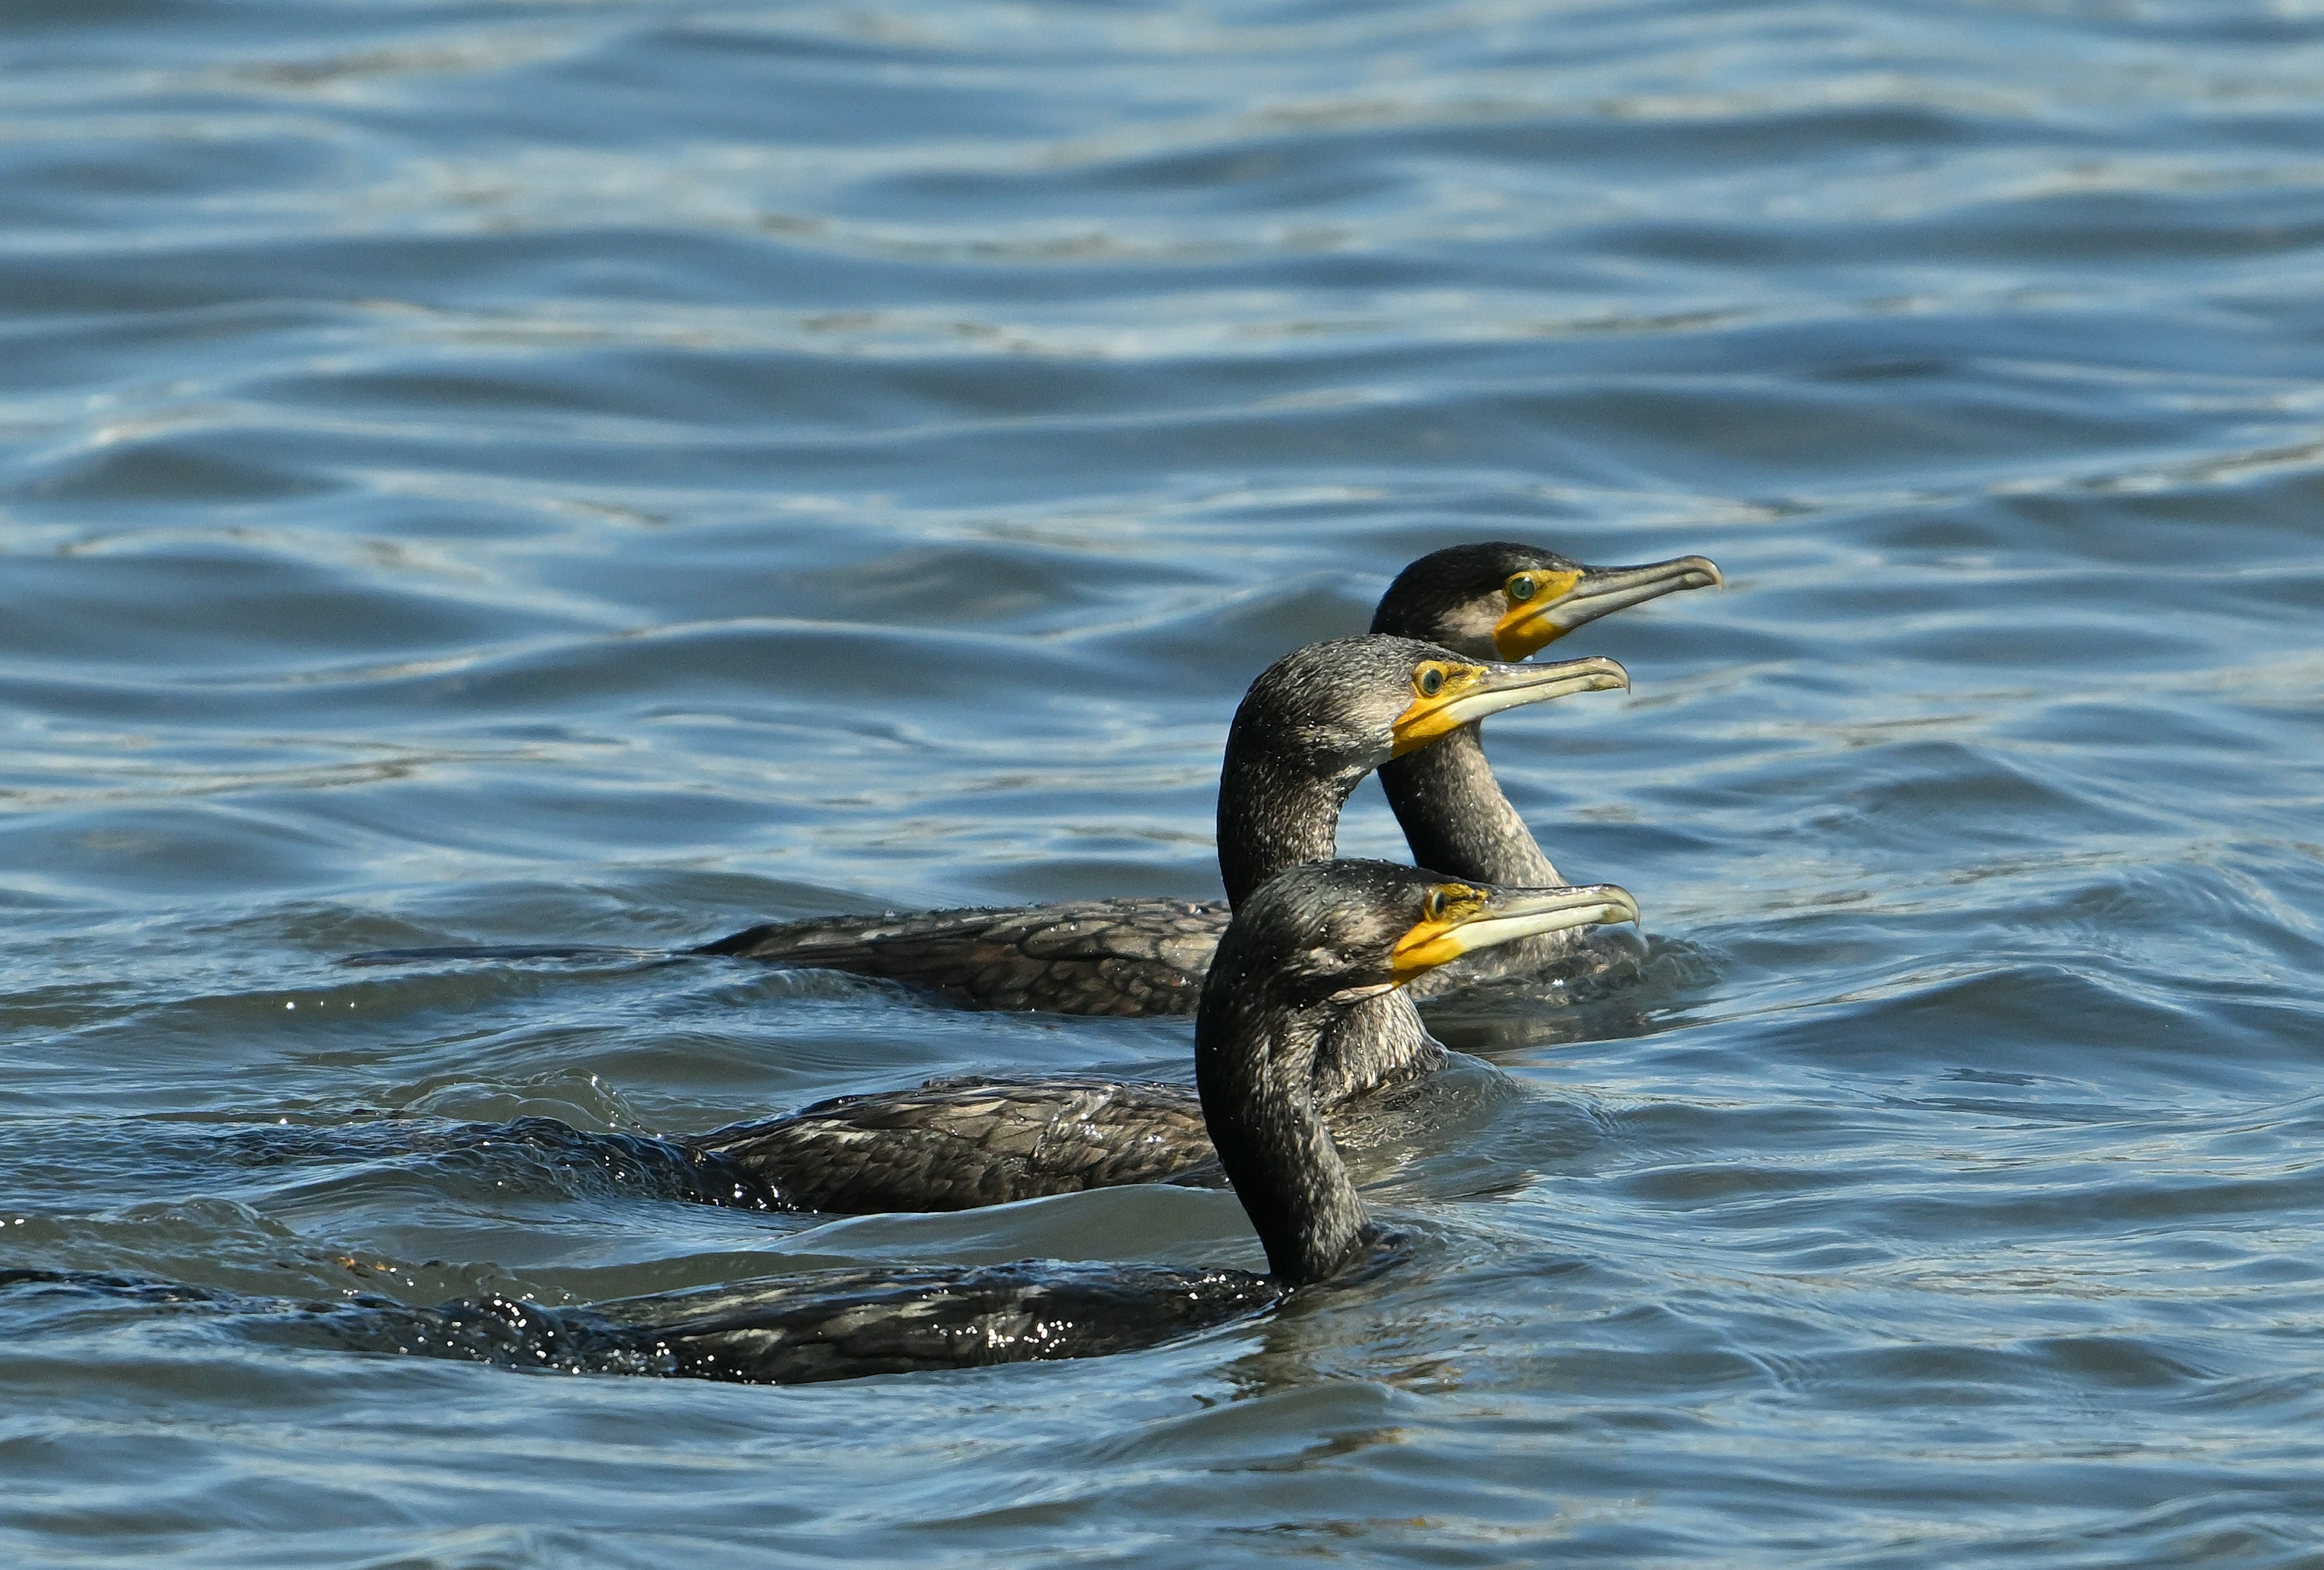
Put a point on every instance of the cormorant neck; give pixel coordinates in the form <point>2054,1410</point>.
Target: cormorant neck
<point>1380,1042</point>
<point>1456,819</point>
<point>1275,812</point>
<point>1254,1062</point>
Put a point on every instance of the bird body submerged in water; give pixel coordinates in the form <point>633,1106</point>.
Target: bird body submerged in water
<point>1315,942</point>
<point>1146,955</point>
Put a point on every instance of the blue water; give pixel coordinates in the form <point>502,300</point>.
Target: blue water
<point>533,472</point>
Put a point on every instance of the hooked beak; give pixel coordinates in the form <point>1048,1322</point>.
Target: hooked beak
<point>1471,692</point>
<point>1467,919</point>
<point>1569,600</point>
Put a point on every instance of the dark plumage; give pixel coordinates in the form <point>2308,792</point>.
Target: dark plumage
<point>1453,811</point>
<point>956,1144</point>
<point>1089,956</point>
<point>830,1325</point>
<point>1147,956</point>
<point>1315,942</point>
<point>1308,730</point>
<point>1305,735</point>
<point>1311,727</point>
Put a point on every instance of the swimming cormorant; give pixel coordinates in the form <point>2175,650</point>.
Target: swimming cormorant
<point>1310,728</point>
<point>1315,942</point>
<point>1497,600</point>
<point>977,1141</point>
<point>1146,956</point>
<point>1307,733</point>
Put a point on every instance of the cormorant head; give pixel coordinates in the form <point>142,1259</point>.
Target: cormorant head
<point>1344,707</point>
<point>1312,943</point>
<point>1334,932</point>
<point>1504,600</point>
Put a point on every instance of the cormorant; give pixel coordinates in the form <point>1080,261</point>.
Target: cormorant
<point>1498,600</point>
<point>1146,956</point>
<point>1307,733</point>
<point>1308,730</point>
<point>1317,940</point>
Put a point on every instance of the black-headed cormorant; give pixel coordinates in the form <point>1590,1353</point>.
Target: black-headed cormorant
<point>1497,600</point>
<point>1307,733</point>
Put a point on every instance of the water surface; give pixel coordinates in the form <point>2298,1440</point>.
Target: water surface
<point>512,472</point>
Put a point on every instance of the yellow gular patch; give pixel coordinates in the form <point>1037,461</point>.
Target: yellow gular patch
<point>1528,625</point>
<point>1436,937</point>
<point>1435,684</point>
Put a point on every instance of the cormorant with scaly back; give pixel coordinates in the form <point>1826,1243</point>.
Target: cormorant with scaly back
<point>1316,941</point>
<point>974,1140</point>
<point>1498,600</point>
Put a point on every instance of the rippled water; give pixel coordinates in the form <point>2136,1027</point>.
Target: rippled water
<point>504,472</point>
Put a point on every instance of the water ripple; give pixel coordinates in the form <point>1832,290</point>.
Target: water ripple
<point>609,473</point>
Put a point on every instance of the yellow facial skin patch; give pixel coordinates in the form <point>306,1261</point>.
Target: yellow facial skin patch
<point>1527,625</point>
<point>1458,918</point>
<point>1448,694</point>
<point>1430,942</point>
<point>1546,603</point>
<point>1437,688</point>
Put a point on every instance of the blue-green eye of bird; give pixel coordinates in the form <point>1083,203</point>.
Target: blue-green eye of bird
<point>1430,681</point>
<point>1522,588</point>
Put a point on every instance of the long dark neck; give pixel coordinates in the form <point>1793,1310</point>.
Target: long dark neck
<point>1455,817</point>
<point>1254,1062</point>
<point>1274,812</point>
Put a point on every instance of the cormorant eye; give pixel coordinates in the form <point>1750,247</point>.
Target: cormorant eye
<point>1432,907</point>
<point>1428,680</point>
<point>1521,589</point>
